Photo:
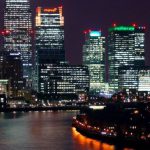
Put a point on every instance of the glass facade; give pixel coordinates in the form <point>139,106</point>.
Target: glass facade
<point>93,57</point>
<point>134,77</point>
<point>50,34</point>
<point>49,38</point>
<point>12,71</point>
<point>144,80</point>
<point>140,46</point>
<point>57,80</point>
<point>125,47</point>
<point>17,24</point>
<point>127,77</point>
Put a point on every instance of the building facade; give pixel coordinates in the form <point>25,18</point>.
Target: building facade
<point>134,77</point>
<point>49,35</point>
<point>125,47</point>
<point>62,81</point>
<point>3,101</point>
<point>140,45</point>
<point>93,57</point>
<point>18,27</point>
<point>12,71</point>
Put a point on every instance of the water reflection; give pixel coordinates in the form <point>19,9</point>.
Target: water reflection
<point>12,115</point>
<point>44,131</point>
<point>90,144</point>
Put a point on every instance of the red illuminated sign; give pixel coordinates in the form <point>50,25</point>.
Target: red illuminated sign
<point>50,9</point>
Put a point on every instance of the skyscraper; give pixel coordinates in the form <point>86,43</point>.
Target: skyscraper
<point>125,48</point>
<point>17,24</point>
<point>49,38</point>
<point>93,57</point>
<point>50,35</point>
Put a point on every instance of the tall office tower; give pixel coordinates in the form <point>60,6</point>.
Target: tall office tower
<point>49,38</point>
<point>17,24</point>
<point>93,57</point>
<point>50,35</point>
<point>125,48</point>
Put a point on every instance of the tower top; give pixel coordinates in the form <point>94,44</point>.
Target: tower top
<point>122,28</point>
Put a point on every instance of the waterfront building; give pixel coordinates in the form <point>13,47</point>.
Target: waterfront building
<point>3,101</point>
<point>134,77</point>
<point>4,87</point>
<point>125,47</point>
<point>17,32</point>
<point>93,57</point>
<point>62,81</point>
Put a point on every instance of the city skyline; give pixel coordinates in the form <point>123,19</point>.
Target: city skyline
<point>84,15</point>
<point>73,68</point>
<point>88,18</point>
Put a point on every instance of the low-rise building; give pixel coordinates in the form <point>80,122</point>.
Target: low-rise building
<point>62,81</point>
<point>134,77</point>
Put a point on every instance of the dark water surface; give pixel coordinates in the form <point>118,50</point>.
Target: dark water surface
<point>44,131</point>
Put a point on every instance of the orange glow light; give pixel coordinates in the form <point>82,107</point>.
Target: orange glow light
<point>88,143</point>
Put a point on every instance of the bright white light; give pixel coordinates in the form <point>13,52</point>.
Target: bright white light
<point>97,107</point>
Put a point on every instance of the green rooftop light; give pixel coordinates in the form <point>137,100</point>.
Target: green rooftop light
<point>122,28</point>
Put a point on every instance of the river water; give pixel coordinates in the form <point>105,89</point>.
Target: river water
<point>44,131</point>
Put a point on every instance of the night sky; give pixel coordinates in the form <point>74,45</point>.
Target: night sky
<point>82,15</point>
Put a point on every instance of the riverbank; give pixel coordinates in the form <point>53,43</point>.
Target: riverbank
<point>113,140</point>
<point>55,108</point>
<point>126,126</point>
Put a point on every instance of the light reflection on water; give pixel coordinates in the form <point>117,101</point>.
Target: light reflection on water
<point>11,115</point>
<point>86,143</point>
<point>44,131</point>
<point>90,144</point>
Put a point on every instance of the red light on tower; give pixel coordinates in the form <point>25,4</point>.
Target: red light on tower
<point>89,31</point>
<point>114,24</point>
<point>85,32</point>
<point>134,25</point>
<point>2,33</point>
<point>5,32</point>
